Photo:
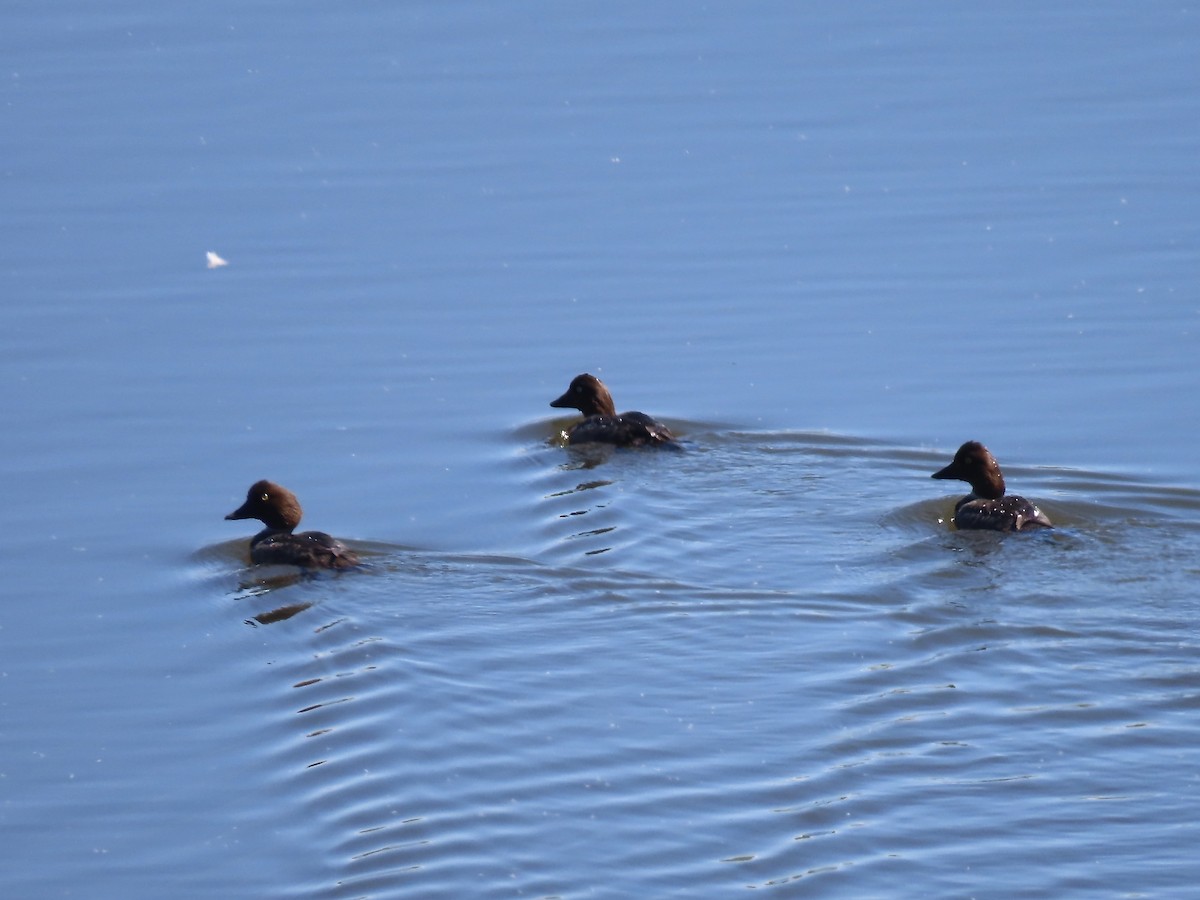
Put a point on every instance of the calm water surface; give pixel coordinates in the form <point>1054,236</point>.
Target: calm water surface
<point>826,246</point>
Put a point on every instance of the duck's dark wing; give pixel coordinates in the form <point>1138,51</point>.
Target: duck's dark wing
<point>1006,514</point>
<point>309,550</point>
<point>645,429</point>
<point>631,429</point>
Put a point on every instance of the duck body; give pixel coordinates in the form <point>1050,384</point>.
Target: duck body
<point>1003,514</point>
<point>308,549</point>
<point>987,508</point>
<point>277,544</point>
<point>602,424</point>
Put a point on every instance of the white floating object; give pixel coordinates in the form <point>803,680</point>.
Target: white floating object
<point>214,261</point>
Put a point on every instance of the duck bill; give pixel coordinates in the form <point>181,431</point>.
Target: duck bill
<point>563,402</point>
<point>946,474</point>
<point>241,513</point>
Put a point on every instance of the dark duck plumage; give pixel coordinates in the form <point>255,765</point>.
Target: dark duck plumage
<point>588,394</point>
<point>986,507</point>
<point>277,508</point>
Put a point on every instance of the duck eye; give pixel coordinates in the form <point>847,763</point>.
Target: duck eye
<point>266,497</point>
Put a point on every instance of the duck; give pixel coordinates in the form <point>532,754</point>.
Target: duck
<point>277,508</point>
<point>588,394</point>
<point>987,507</point>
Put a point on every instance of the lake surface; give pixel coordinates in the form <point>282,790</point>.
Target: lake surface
<point>826,246</point>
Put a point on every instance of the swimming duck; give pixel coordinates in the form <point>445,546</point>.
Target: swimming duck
<point>588,394</point>
<point>277,508</point>
<point>986,507</point>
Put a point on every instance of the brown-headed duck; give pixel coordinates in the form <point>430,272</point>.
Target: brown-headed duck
<point>986,507</point>
<point>278,509</point>
<point>588,394</point>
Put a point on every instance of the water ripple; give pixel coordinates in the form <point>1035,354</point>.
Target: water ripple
<point>725,670</point>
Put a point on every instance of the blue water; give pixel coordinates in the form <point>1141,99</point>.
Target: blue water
<point>826,246</point>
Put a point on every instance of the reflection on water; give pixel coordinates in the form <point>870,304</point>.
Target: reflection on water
<point>261,585</point>
<point>279,614</point>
